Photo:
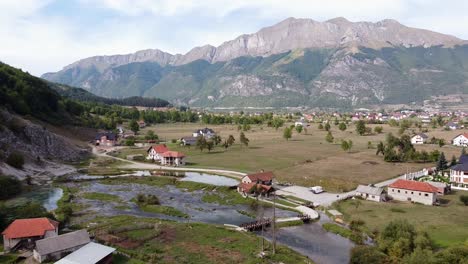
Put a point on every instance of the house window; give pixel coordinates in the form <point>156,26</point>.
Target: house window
<point>419,194</point>
<point>412,192</point>
<point>426,194</point>
<point>398,190</point>
<point>373,196</point>
<point>393,190</point>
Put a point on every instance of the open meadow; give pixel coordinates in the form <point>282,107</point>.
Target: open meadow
<point>446,225</point>
<point>306,159</point>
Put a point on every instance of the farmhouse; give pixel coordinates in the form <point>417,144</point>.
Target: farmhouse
<point>460,140</point>
<point>204,132</point>
<point>173,158</point>
<point>419,139</point>
<point>106,139</point>
<point>265,178</point>
<point>371,193</point>
<point>22,233</point>
<point>459,176</point>
<point>54,248</point>
<point>301,123</point>
<point>188,141</point>
<point>92,253</point>
<point>258,183</point>
<point>452,126</point>
<point>413,191</point>
<point>155,152</point>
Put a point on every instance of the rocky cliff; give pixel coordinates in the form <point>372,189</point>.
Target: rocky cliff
<point>295,62</point>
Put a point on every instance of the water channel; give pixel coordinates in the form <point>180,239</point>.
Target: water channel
<point>309,239</point>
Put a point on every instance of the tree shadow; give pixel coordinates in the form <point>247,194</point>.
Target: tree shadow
<point>255,147</point>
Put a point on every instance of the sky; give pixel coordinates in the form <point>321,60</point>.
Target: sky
<point>41,36</point>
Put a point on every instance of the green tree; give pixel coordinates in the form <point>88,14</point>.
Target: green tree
<point>453,162</point>
<point>134,126</point>
<point>329,137</point>
<point>201,143</point>
<point>231,140</point>
<point>209,145</point>
<point>464,199</point>
<point>243,139</point>
<point>360,127</point>
<point>217,139</point>
<point>299,129</point>
<point>9,187</point>
<point>225,145</point>
<point>327,127</point>
<point>441,142</point>
<point>463,151</point>
<point>150,135</point>
<point>277,122</point>
<point>320,126</point>
<point>342,126</point>
<point>378,129</point>
<point>442,162</point>
<point>346,145</point>
<point>380,148</point>
<point>367,255</point>
<point>287,133</point>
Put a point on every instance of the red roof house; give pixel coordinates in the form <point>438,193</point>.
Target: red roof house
<point>172,158</point>
<point>261,177</point>
<point>413,186</point>
<point>31,229</point>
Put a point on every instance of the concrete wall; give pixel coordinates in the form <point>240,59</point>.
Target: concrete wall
<point>413,196</point>
<point>370,197</point>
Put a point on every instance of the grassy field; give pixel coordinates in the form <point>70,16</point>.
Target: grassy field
<point>101,197</point>
<point>161,209</point>
<point>157,241</point>
<point>306,159</point>
<point>446,225</point>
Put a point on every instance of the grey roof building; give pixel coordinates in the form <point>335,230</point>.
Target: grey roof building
<point>54,248</point>
<point>370,193</point>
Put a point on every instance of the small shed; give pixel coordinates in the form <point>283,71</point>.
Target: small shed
<point>337,216</point>
<point>53,248</point>
<point>92,253</point>
<point>371,193</point>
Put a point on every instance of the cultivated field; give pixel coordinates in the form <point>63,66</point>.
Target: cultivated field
<point>306,159</point>
<point>446,224</point>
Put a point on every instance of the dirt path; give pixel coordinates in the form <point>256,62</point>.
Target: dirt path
<point>130,164</point>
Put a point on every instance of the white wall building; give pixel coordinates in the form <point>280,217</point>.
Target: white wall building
<point>460,140</point>
<point>413,191</point>
<point>419,139</point>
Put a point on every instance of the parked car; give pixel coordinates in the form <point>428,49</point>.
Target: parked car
<point>316,189</point>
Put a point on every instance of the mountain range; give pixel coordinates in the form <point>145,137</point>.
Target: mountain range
<point>297,62</point>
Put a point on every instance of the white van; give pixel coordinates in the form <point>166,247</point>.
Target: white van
<point>316,189</point>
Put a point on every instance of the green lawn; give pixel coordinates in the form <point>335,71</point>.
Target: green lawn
<point>195,243</point>
<point>161,209</point>
<point>101,197</point>
<point>447,224</point>
<point>306,159</point>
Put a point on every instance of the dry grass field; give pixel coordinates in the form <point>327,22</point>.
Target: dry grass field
<point>306,159</point>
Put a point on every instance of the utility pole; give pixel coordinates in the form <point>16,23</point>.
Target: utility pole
<point>274,223</point>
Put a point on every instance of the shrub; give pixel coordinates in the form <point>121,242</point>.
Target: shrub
<point>464,199</point>
<point>15,160</point>
<point>9,187</point>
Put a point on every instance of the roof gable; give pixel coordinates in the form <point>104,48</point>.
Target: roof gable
<point>369,189</point>
<point>413,185</point>
<point>161,148</point>
<point>32,227</point>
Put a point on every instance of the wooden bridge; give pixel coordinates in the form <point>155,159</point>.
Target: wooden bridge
<point>257,225</point>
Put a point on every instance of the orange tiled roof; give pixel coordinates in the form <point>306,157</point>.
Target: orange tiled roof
<point>263,176</point>
<point>173,154</point>
<point>161,148</point>
<point>32,227</point>
<point>413,185</point>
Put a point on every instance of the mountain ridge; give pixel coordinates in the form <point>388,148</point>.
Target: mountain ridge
<point>294,62</point>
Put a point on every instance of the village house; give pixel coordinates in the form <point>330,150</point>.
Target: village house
<point>419,139</point>
<point>141,124</point>
<point>173,158</point>
<point>188,141</point>
<point>376,194</point>
<point>128,134</point>
<point>22,233</point>
<point>106,139</point>
<point>257,183</point>
<point>55,248</point>
<point>460,140</point>
<point>155,152</point>
<point>301,123</point>
<point>459,176</point>
<point>413,191</point>
<point>452,126</point>
<point>91,253</point>
<point>205,132</point>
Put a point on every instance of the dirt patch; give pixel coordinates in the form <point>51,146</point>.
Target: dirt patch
<point>119,241</point>
<point>370,162</point>
<point>167,235</point>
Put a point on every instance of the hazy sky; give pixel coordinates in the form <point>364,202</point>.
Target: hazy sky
<point>45,35</point>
